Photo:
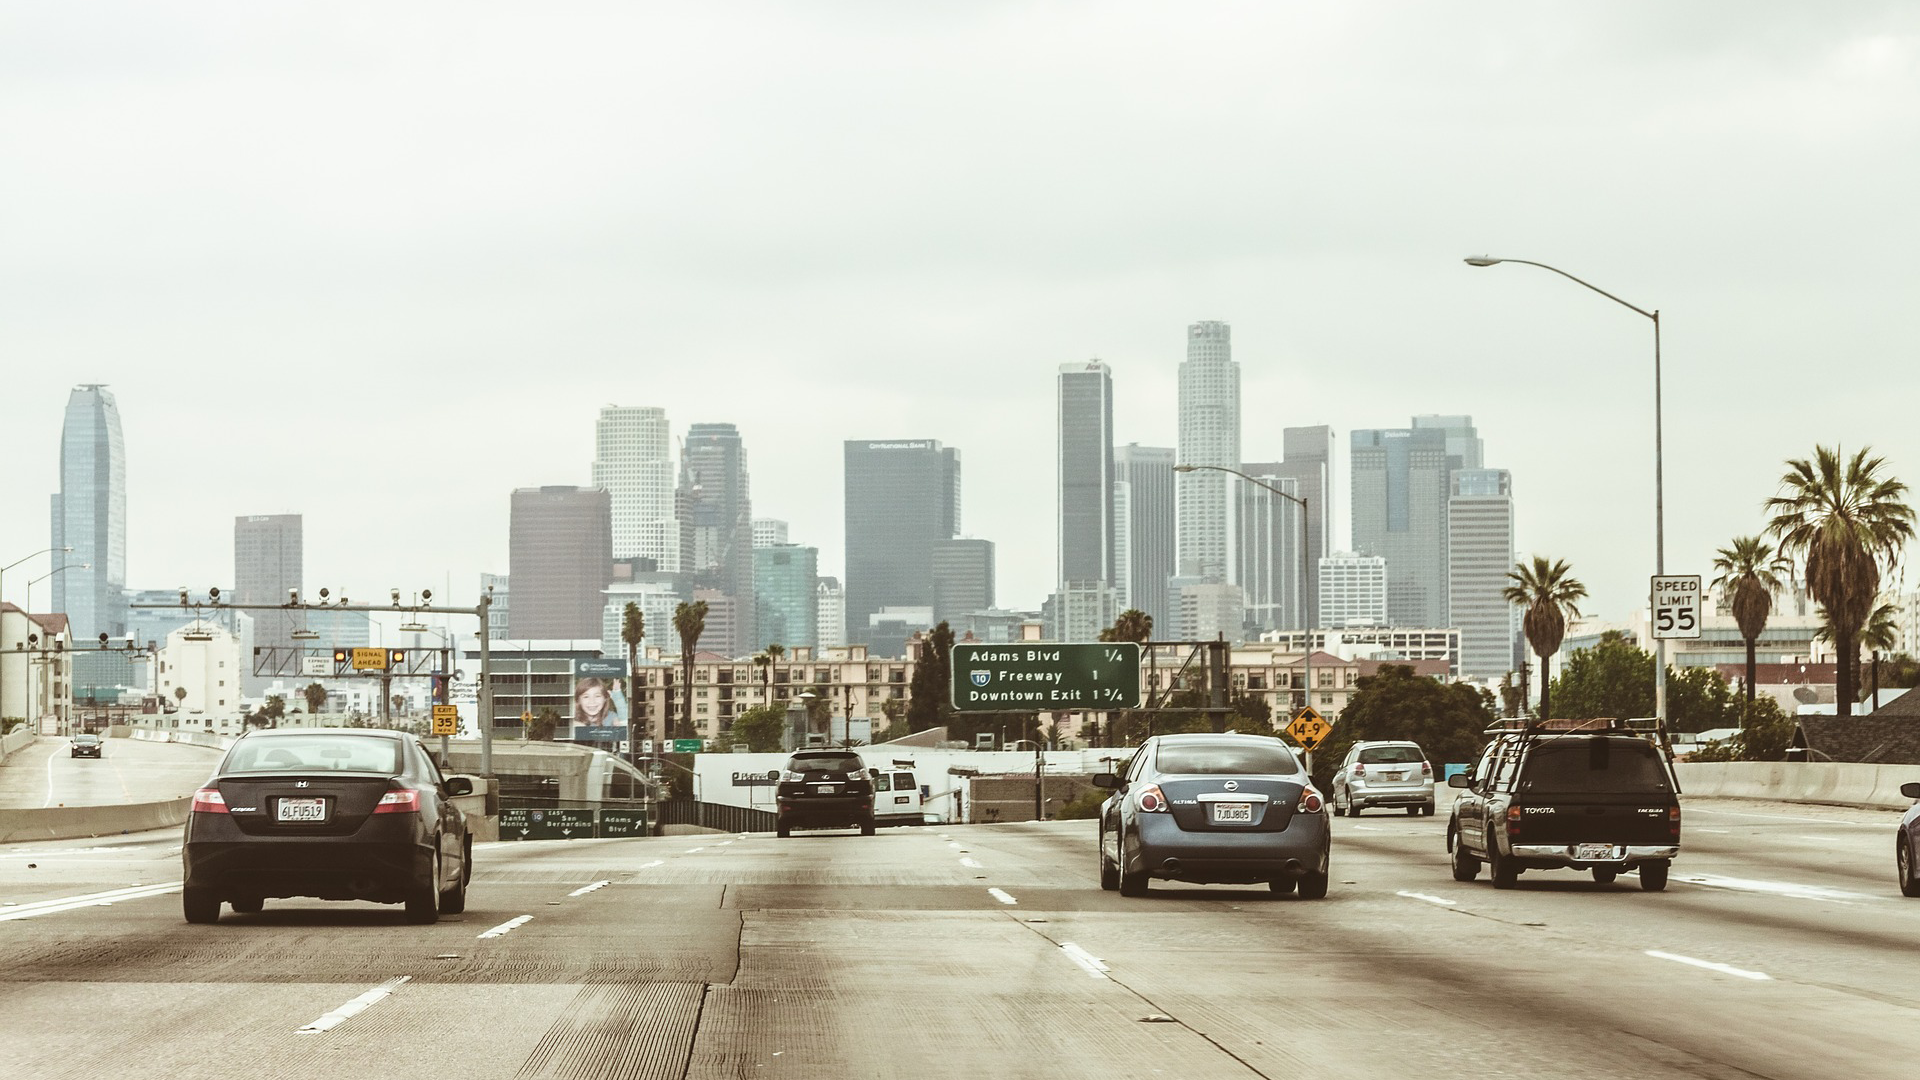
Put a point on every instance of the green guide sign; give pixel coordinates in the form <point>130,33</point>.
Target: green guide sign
<point>1031,676</point>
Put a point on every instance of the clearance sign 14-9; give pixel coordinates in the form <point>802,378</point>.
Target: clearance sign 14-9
<point>1034,676</point>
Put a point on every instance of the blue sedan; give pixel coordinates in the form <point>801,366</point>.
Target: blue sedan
<point>1214,809</point>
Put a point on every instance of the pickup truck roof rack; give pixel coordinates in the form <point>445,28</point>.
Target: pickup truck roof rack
<point>1645,726</point>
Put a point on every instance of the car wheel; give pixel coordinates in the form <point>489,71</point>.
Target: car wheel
<point>1501,868</point>
<point>1109,873</point>
<point>781,829</point>
<point>1903,862</point>
<point>866,827</point>
<point>1604,876</point>
<point>1353,807</point>
<point>1653,875</point>
<point>1413,811</point>
<point>1465,866</point>
<point>1313,884</point>
<point>200,905</point>
<point>247,905</point>
<point>454,900</point>
<point>423,900</point>
<point>1131,883</point>
<point>1427,810</point>
<point>1282,886</point>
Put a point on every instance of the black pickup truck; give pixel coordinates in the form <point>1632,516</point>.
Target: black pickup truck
<point>1604,800</point>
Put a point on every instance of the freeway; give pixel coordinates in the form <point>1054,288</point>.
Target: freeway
<point>127,771</point>
<point>1782,949</point>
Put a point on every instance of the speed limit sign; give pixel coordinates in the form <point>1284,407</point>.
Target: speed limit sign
<point>1676,606</point>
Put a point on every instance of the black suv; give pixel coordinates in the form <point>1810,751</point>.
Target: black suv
<point>1601,798</point>
<point>824,789</point>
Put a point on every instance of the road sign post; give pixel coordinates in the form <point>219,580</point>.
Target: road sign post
<point>1676,606</point>
<point>1036,677</point>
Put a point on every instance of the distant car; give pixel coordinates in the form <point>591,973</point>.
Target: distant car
<point>1214,809</point>
<point>85,744</point>
<point>334,814</point>
<point>1394,773</point>
<point>824,789</point>
<point>1906,858</point>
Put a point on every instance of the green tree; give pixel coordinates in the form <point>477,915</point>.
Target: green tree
<point>1845,522</point>
<point>929,699</point>
<point>1549,593</point>
<point>541,727</point>
<point>1748,578</point>
<point>1765,733</point>
<point>316,696</point>
<point>1901,670</point>
<point>1448,720</point>
<point>633,630</point>
<point>689,621</point>
<point>1880,634</point>
<point>1131,625</point>
<point>758,729</point>
<point>276,708</point>
<point>1699,699</point>
<point>1613,678</point>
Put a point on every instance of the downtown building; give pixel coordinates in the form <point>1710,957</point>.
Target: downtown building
<point>1206,522</point>
<point>1353,590</point>
<point>1270,570</point>
<point>902,498</point>
<point>1308,462</point>
<point>962,579</point>
<point>1402,480</point>
<point>1143,511</point>
<point>90,518</point>
<point>632,463</point>
<point>1085,475</point>
<point>1479,557</point>
<point>268,565</point>
<point>786,589</point>
<point>716,535</point>
<point>560,562</point>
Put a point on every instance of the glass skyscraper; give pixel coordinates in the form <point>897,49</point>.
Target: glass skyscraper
<point>1143,505</point>
<point>786,594</point>
<point>1085,473</point>
<point>1209,435</point>
<point>902,496</point>
<point>716,531</point>
<point>90,517</point>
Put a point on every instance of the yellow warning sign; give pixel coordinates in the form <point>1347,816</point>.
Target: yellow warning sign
<point>1309,729</point>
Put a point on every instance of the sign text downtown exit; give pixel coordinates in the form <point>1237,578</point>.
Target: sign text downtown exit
<point>1041,677</point>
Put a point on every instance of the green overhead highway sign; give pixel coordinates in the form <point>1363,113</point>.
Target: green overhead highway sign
<point>1031,676</point>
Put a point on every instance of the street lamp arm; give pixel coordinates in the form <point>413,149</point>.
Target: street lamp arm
<point>1487,261</point>
<point>1295,499</point>
<point>35,555</point>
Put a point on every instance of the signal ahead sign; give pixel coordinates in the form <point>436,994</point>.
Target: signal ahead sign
<point>1676,606</point>
<point>1034,677</point>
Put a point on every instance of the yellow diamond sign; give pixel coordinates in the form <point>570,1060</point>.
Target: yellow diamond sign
<point>1309,729</point>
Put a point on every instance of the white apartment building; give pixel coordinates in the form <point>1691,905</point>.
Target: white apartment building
<point>1353,590</point>
<point>200,673</point>
<point>36,670</point>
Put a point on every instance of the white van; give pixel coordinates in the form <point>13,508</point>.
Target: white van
<point>898,798</point>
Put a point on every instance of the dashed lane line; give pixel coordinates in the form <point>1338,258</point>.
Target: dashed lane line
<point>1088,962</point>
<point>651,865</point>
<point>99,899</point>
<point>1777,888</point>
<point>1442,901</point>
<point>1724,969</point>
<point>585,889</point>
<point>353,1008</point>
<point>695,850</point>
<point>1001,895</point>
<point>507,927</point>
<point>970,863</point>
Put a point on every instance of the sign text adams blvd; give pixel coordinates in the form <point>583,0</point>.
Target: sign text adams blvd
<point>1026,676</point>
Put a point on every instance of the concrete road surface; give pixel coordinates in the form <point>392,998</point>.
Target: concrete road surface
<point>127,771</point>
<point>1782,949</point>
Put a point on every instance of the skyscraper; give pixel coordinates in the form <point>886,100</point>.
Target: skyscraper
<point>832,632</point>
<point>902,495</point>
<point>1085,472</point>
<point>90,517</point>
<point>716,531</point>
<point>560,561</point>
<point>630,461</point>
<point>962,578</point>
<point>786,592</point>
<point>1309,463</point>
<point>1479,556</point>
<point>768,532</point>
<point>1143,481</point>
<point>1400,488</point>
<point>1353,590</point>
<point>1269,568</point>
<point>267,561</point>
<point>1209,435</point>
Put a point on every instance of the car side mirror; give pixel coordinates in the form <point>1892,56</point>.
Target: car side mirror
<point>1911,791</point>
<point>1462,780</point>
<point>1109,780</point>
<point>459,785</point>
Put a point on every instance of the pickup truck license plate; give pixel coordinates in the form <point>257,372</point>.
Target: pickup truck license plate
<point>1232,813</point>
<point>1593,851</point>
<point>301,810</point>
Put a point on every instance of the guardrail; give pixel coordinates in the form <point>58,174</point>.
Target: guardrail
<point>1836,783</point>
<point>15,741</point>
<point>722,816</point>
<point>75,822</point>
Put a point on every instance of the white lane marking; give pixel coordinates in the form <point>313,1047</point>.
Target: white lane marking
<point>585,889</point>
<point>507,927</point>
<point>723,843</point>
<point>1724,969</point>
<point>1776,888</point>
<point>50,760</point>
<point>695,850</point>
<point>1790,817</point>
<point>352,1008</point>
<point>971,863</point>
<point>1087,961</point>
<point>1429,899</point>
<point>1821,839</point>
<point>651,865</point>
<point>99,899</point>
<point>1710,830</point>
<point>1369,828</point>
<point>1001,895</point>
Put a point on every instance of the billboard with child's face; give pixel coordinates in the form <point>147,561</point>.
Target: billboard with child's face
<point>599,701</point>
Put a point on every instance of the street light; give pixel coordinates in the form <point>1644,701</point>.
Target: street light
<point>1306,668</point>
<point>50,573</point>
<point>3,596</point>
<point>1659,494</point>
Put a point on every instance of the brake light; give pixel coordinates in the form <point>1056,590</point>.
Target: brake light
<point>1310,801</point>
<point>209,801</point>
<point>1673,821</point>
<point>858,774</point>
<point>1426,768</point>
<point>403,801</point>
<point>1513,823</point>
<point>1150,800</point>
<point>1359,769</point>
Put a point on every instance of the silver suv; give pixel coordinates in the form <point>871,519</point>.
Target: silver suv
<point>1386,773</point>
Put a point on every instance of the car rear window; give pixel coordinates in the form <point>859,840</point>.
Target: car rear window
<point>315,753</point>
<point>1594,766</point>
<point>1391,755</point>
<point>830,762</point>
<point>1235,758</point>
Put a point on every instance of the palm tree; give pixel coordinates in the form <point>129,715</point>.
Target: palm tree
<point>633,630</point>
<point>1749,576</point>
<point>689,621</point>
<point>316,696</point>
<point>774,653</point>
<point>1844,521</point>
<point>1550,593</point>
<point>1132,625</point>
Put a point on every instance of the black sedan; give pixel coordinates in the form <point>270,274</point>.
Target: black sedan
<point>334,814</point>
<point>86,744</point>
<point>1214,809</point>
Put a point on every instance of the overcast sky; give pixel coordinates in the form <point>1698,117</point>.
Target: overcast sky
<point>381,263</point>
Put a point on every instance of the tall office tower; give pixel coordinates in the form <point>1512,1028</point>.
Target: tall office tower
<point>1144,478</point>
<point>1353,590</point>
<point>90,518</point>
<point>267,563</point>
<point>1202,610</point>
<point>716,530</point>
<point>1464,446</point>
<point>1209,435</point>
<point>962,579</point>
<point>1080,610</point>
<point>560,559</point>
<point>768,531</point>
<point>832,632</point>
<point>786,594</point>
<point>631,448</point>
<point>1308,462</point>
<point>1269,570</point>
<point>1400,513</point>
<point>1085,473</point>
<point>902,496</point>
<point>1479,556</point>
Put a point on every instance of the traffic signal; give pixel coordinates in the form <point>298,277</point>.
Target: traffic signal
<point>440,690</point>
<point>396,657</point>
<point>339,656</point>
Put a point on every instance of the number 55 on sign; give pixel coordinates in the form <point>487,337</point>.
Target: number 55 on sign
<point>1676,606</point>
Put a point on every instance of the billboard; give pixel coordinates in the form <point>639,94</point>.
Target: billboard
<point>599,699</point>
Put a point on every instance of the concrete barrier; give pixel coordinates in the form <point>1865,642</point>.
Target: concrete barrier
<point>15,741</point>
<point>76,822</point>
<point>1831,783</point>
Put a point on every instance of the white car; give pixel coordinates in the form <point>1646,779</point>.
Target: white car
<point>1386,773</point>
